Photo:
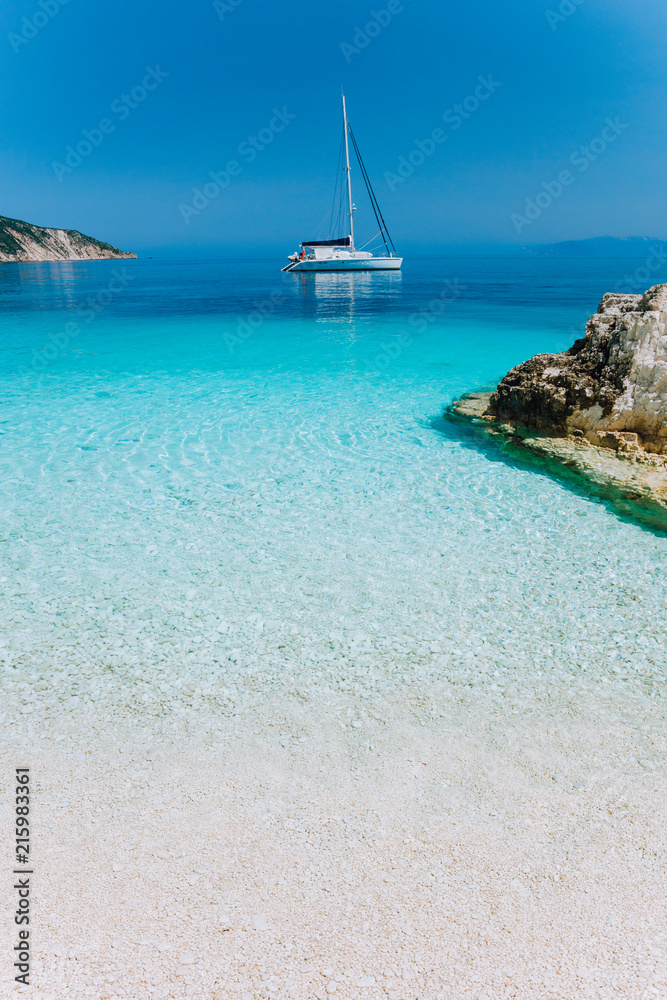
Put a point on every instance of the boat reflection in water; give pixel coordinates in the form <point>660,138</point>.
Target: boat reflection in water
<point>347,295</point>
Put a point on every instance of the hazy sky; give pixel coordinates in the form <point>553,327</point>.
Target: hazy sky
<point>183,87</point>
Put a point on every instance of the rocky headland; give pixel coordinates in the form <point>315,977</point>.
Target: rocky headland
<point>21,241</point>
<point>598,410</point>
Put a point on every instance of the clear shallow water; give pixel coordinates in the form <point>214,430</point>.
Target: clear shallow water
<point>201,453</point>
<point>282,551</point>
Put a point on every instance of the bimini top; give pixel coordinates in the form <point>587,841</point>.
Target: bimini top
<point>344,241</point>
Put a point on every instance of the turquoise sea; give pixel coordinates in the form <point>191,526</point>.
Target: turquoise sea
<point>312,681</point>
<point>273,445</point>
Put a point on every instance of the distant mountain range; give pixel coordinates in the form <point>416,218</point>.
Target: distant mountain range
<point>23,241</point>
<point>599,246</point>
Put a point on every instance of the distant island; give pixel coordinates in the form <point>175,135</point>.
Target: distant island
<point>21,241</point>
<point>599,246</point>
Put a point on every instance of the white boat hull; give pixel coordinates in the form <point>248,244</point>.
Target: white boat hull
<point>370,264</point>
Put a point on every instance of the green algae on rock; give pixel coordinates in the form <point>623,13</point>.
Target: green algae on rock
<point>636,484</point>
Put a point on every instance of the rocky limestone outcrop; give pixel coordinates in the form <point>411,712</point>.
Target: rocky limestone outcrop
<point>21,241</point>
<point>610,387</point>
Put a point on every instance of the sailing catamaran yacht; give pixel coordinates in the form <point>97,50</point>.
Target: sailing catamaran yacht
<point>341,254</point>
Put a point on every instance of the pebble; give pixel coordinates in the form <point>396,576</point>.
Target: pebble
<point>260,924</point>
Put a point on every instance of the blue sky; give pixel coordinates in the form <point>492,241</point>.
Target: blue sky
<point>560,71</point>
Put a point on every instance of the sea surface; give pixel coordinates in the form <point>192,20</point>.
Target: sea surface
<point>216,442</point>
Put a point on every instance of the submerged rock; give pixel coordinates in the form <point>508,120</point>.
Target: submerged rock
<point>610,387</point>
<point>635,483</point>
<point>21,241</point>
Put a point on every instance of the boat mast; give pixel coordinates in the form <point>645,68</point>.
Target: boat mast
<point>349,181</point>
